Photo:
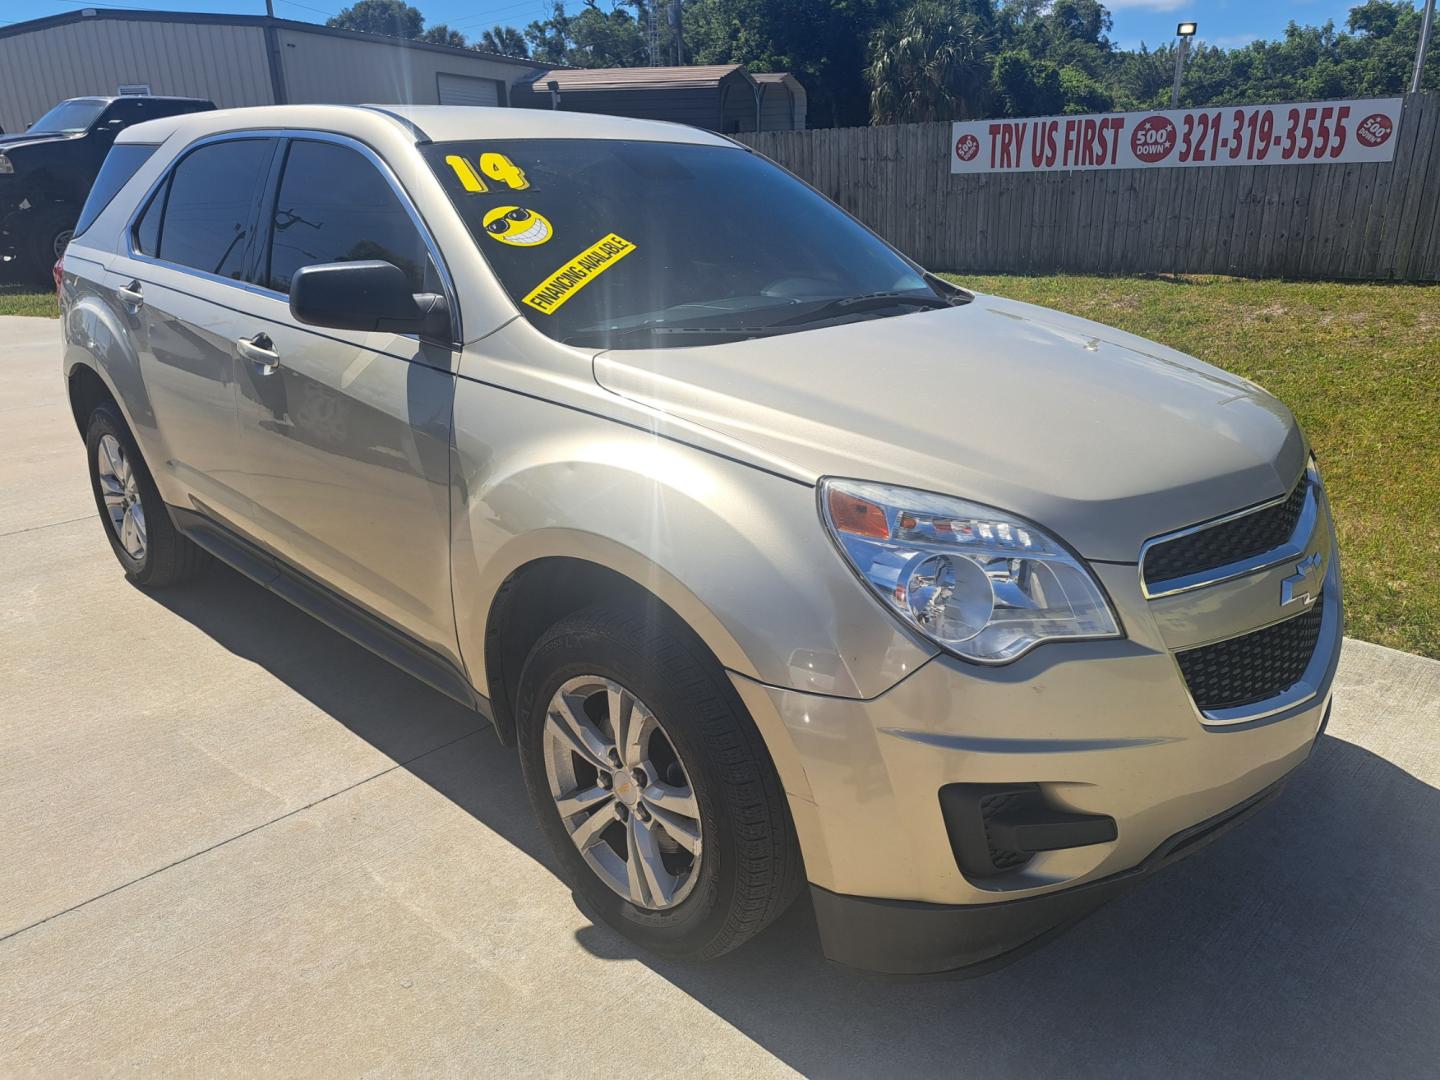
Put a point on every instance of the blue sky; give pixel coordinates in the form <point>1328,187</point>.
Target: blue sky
<point>1222,22</point>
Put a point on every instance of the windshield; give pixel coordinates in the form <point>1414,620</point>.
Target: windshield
<point>68,117</point>
<point>640,244</point>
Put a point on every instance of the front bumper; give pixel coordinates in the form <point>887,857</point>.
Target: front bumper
<point>1104,728</point>
<point>905,939</point>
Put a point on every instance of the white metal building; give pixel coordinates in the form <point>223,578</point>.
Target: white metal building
<point>236,60</point>
<point>233,60</point>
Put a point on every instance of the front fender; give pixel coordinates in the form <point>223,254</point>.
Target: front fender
<point>737,552</point>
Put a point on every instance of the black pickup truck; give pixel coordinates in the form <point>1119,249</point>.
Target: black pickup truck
<point>46,173</point>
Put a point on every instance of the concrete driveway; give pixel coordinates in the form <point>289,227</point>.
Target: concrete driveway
<point>231,841</point>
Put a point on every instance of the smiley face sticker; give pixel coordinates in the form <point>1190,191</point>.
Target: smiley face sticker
<point>517,226</point>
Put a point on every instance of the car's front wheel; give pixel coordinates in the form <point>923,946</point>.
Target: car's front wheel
<point>137,524</point>
<point>652,784</point>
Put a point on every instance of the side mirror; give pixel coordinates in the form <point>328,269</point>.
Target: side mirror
<point>367,295</point>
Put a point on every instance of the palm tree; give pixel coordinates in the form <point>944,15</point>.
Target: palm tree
<point>505,39</point>
<point>929,63</point>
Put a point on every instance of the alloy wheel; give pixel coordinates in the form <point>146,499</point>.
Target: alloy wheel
<point>121,493</point>
<point>622,793</point>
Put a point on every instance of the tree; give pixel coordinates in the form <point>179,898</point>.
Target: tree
<point>394,18</point>
<point>505,40</point>
<point>930,63</point>
<point>440,34</point>
<point>824,43</point>
<point>1081,93</point>
<point>884,61</point>
<point>1142,79</point>
<point>1024,86</point>
<point>593,38</point>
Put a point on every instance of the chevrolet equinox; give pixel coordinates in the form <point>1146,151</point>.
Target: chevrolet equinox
<point>783,563</point>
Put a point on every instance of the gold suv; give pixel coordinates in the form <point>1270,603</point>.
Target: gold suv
<point>779,559</point>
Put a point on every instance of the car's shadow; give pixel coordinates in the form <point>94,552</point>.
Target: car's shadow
<point>1305,943</point>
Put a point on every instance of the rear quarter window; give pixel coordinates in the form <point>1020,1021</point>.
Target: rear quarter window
<point>121,164</point>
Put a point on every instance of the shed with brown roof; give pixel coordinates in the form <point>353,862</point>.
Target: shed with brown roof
<point>720,97</point>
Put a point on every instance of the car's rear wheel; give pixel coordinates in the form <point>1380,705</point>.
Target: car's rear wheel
<point>652,784</point>
<point>137,524</point>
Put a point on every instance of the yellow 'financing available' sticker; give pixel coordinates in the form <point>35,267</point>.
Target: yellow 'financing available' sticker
<point>564,283</point>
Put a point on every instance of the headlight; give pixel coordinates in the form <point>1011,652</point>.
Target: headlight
<point>975,580</point>
<point>5,166</point>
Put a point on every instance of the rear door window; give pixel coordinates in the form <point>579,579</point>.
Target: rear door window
<point>208,217</point>
<point>333,205</point>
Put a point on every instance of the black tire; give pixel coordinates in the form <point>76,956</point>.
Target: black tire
<point>168,557</point>
<point>42,236</point>
<point>750,870</point>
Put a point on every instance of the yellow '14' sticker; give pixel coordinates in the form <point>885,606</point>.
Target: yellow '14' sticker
<point>496,166</point>
<point>555,290</point>
<point>466,174</point>
<point>501,168</point>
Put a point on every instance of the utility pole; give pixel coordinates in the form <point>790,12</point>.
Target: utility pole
<point>1185,31</point>
<point>677,31</point>
<point>1427,26</point>
<point>652,34</point>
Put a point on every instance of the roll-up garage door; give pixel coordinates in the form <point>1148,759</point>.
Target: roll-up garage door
<point>468,90</point>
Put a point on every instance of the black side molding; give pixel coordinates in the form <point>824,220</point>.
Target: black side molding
<point>323,603</point>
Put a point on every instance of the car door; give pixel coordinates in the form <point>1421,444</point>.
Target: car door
<point>179,285</point>
<point>345,436</point>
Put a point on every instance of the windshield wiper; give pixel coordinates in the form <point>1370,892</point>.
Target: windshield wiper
<point>608,338</point>
<point>849,305</point>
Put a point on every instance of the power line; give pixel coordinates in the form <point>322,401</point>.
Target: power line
<point>307,7</point>
<point>490,16</point>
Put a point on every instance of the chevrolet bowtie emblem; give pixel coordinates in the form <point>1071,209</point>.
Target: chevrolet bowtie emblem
<point>1304,585</point>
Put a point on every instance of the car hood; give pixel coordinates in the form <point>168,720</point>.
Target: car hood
<point>10,142</point>
<point>1100,436</point>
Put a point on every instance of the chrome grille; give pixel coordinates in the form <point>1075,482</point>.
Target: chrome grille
<point>1226,542</point>
<point>1253,667</point>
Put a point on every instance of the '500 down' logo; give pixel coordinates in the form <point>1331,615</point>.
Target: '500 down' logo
<point>1153,139</point>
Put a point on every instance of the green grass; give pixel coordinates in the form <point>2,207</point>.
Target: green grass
<point>15,300</point>
<point>1359,365</point>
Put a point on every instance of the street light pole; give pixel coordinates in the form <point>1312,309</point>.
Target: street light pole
<point>1427,25</point>
<point>1185,31</point>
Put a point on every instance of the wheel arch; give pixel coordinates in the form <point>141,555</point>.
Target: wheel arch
<point>542,590</point>
<point>87,390</point>
<point>550,580</point>
<point>101,364</point>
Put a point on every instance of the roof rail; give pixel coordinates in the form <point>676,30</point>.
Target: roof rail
<point>421,137</point>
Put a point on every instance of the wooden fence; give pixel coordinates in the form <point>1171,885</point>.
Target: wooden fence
<point>1358,221</point>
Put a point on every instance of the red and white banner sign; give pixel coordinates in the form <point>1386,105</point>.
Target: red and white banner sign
<point>1307,133</point>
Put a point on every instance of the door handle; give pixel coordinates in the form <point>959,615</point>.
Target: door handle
<point>260,351</point>
<point>131,295</point>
